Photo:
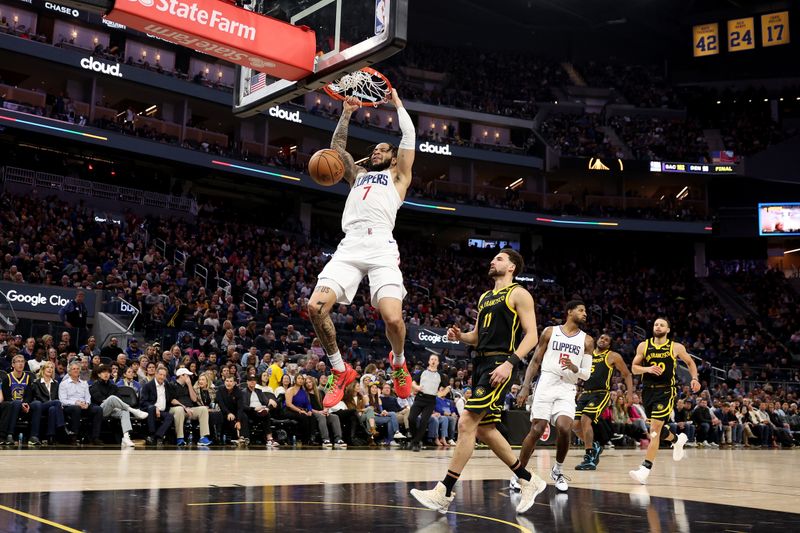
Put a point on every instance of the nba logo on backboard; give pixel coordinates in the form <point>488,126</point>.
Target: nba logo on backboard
<point>380,16</point>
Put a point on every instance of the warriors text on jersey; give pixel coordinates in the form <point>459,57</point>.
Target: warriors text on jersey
<point>373,202</point>
<point>661,356</point>
<point>498,325</point>
<point>600,379</point>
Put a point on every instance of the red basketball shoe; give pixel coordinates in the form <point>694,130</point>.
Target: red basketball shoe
<point>336,385</point>
<point>401,378</point>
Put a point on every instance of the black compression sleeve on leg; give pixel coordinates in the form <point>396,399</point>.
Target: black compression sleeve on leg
<point>666,434</point>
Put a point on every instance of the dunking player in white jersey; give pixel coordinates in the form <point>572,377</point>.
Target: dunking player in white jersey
<point>368,248</point>
<point>564,354</point>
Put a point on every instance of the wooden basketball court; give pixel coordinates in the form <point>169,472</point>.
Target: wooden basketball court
<point>110,490</point>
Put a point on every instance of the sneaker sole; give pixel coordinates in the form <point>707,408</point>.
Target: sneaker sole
<point>425,502</point>
<point>589,467</point>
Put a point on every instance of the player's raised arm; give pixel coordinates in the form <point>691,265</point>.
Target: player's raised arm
<point>405,153</point>
<point>339,143</point>
<point>680,351</point>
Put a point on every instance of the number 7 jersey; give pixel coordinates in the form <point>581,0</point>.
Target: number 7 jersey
<point>373,202</point>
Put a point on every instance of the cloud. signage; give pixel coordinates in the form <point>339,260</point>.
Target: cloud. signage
<point>90,63</point>
<point>434,338</point>
<point>430,148</point>
<point>291,116</point>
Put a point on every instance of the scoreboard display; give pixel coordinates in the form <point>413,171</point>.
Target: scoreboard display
<point>781,219</point>
<point>740,34</point>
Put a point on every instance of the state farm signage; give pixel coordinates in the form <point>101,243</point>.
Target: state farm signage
<point>225,31</point>
<point>42,298</point>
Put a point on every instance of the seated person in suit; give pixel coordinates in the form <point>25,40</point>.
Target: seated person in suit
<point>155,399</point>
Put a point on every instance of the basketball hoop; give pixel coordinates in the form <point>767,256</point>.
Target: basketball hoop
<point>367,86</point>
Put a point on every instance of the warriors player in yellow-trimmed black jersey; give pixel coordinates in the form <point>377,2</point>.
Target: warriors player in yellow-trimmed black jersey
<point>499,348</point>
<point>596,396</point>
<point>657,362</point>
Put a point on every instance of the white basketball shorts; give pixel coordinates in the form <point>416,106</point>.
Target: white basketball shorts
<point>364,253</point>
<point>553,398</point>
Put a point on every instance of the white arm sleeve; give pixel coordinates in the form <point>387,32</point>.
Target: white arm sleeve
<point>408,142</point>
<point>585,370</point>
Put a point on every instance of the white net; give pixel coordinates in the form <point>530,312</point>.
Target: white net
<point>366,85</point>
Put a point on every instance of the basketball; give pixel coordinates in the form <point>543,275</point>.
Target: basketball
<point>326,167</point>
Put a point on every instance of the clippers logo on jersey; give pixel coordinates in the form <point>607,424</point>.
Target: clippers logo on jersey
<point>370,178</point>
<point>568,347</point>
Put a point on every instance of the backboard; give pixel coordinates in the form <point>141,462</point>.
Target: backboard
<point>350,34</point>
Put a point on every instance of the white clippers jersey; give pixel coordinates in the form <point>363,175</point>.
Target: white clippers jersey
<point>561,346</point>
<point>373,201</point>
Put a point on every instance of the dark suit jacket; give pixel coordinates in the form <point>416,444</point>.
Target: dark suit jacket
<point>38,392</point>
<point>148,395</point>
<point>231,402</point>
<point>259,393</point>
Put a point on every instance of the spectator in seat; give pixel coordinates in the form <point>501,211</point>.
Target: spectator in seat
<point>384,417</point>
<point>731,428</point>
<point>156,399</point>
<point>390,403</point>
<point>112,350</point>
<point>45,391</point>
<point>74,395</point>
<point>17,398</point>
<point>207,395</point>
<point>231,404</point>
<point>104,393</point>
<point>276,372</point>
<point>702,419</point>
<point>258,406</point>
<point>133,351</point>
<point>439,424</point>
<point>332,424</point>
<point>637,415</point>
<point>185,405</point>
<point>298,407</point>
<point>129,380</point>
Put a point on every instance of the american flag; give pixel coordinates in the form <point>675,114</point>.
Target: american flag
<point>257,81</point>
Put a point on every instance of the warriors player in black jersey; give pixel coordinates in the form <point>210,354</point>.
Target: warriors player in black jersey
<point>503,313</point>
<point>596,396</point>
<point>656,361</point>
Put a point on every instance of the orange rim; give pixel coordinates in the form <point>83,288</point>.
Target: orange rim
<point>379,85</point>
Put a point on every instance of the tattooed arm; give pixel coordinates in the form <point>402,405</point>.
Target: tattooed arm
<point>339,143</point>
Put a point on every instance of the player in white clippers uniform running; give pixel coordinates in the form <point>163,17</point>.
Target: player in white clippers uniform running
<point>564,354</point>
<point>368,249</point>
